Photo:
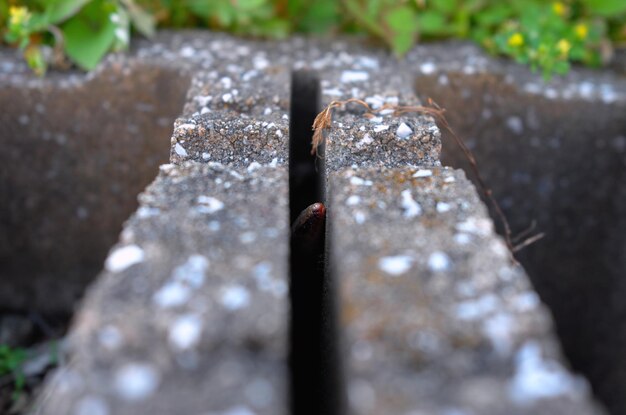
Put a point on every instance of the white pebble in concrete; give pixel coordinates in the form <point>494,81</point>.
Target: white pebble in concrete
<point>180,150</point>
<point>255,165</point>
<point>335,92</point>
<point>423,173</point>
<point>428,68</point>
<point>439,261</point>
<point>124,257</point>
<point>235,297</point>
<point>443,207</point>
<point>537,378</point>
<point>367,139</point>
<point>526,301</point>
<point>210,204</point>
<point>354,76</point>
<point>192,271</point>
<point>375,102</point>
<point>357,181</point>
<point>462,238</point>
<point>359,217</point>
<point>476,226</point>
<point>185,332</point>
<point>409,205</point>
<point>188,126</point>
<point>477,308</point>
<point>403,131</point>
<point>172,294</point>
<point>136,381</point>
<point>499,329</point>
<point>395,265</point>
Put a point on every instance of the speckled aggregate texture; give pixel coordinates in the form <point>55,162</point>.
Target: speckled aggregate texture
<point>435,316</point>
<point>554,154</point>
<point>190,302</point>
<point>357,138</point>
<point>238,111</point>
<point>191,313</point>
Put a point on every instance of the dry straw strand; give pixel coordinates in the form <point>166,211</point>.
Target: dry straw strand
<point>323,122</point>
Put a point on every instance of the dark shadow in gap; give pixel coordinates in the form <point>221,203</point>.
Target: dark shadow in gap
<point>313,376</point>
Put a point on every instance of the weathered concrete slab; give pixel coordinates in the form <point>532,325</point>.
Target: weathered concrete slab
<point>434,316</point>
<point>206,307</point>
<point>190,303</point>
<point>555,154</point>
<point>377,79</point>
<point>77,149</point>
<point>191,314</point>
<point>405,275</point>
<point>234,128</point>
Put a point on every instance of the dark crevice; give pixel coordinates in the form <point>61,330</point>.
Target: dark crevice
<point>313,386</point>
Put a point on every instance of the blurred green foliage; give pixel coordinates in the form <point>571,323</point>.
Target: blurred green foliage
<point>547,36</point>
<point>11,360</point>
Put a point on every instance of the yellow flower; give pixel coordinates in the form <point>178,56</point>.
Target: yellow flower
<point>516,39</point>
<point>581,30</point>
<point>18,15</point>
<point>563,46</point>
<point>559,8</point>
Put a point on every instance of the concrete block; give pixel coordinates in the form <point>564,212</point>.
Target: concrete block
<point>554,154</point>
<point>191,313</point>
<point>78,148</point>
<point>434,316</point>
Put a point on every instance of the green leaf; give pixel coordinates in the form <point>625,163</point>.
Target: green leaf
<point>58,11</point>
<point>561,67</point>
<point>401,19</point>
<point>208,9</point>
<point>607,8</point>
<point>249,5</point>
<point>446,6</point>
<point>89,35</point>
<point>363,18</point>
<point>321,16</point>
<point>402,22</point>
<point>431,23</point>
<point>493,15</point>
<point>401,43</point>
<point>274,28</point>
<point>35,60</point>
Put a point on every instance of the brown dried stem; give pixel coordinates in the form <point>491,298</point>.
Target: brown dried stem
<point>323,123</point>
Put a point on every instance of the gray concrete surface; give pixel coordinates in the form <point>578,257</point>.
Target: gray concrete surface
<point>435,317</point>
<point>77,149</point>
<point>554,154</point>
<point>191,314</point>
